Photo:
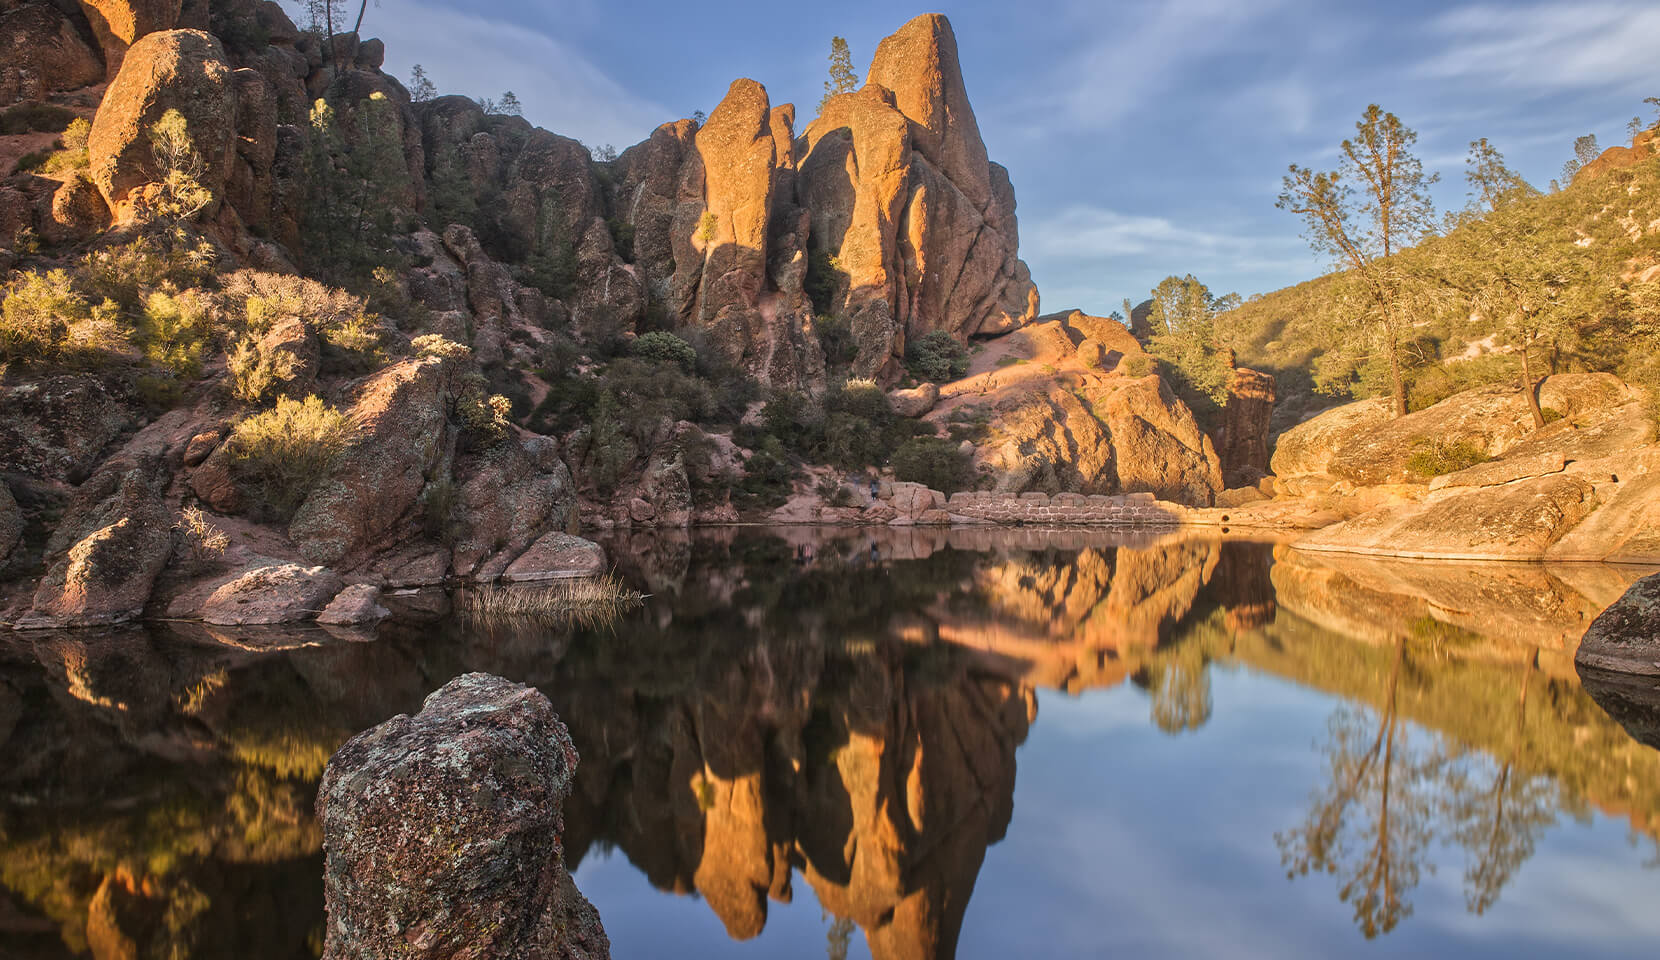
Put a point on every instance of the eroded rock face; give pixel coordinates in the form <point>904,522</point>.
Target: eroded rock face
<point>118,24</point>
<point>104,557</point>
<point>41,51</point>
<point>443,833</point>
<point>1625,638</point>
<point>56,428</point>
<point>402,436</point>
<point>182,70</point>
<point>904,199</point>
<point>1242,443</point>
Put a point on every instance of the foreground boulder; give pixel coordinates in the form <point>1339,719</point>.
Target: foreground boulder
<point>443,833</point>
<point>1626,637</point>
<point>275,593</point>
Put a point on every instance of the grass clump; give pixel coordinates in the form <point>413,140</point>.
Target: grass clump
<point>1438,456</point>
<point>587,602</point>
<point>280,453</point>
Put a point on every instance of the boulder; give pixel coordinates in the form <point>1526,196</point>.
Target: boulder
<point>275,593</point>
<point>78,211</point>
<point>358,603</point>
<point>1625,638</point>
<point>370,489</point>
<point>11,523</point>
<point>505,504</point>
<point>41,51</point>
<point>916,401</point>
<point>1361,444</point>
<point>113,541</point>
<point>1157,445</point>
<point>182,70</point>
<point>557,556</point>
<point>118,24</point>
<point>443,833</point>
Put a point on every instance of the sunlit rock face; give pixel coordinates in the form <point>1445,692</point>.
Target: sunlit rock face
<point>918,227</point>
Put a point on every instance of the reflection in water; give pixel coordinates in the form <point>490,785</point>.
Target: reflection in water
<point>848,716</point>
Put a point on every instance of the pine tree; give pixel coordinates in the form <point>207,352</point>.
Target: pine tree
<point>509,105</point>
<point>1585,150</point>
<point>1362,232</point>
<point>1183,318</point>
<point>421,87</point>
<point>843,79</point>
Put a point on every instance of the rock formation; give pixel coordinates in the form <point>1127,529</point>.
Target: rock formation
<point>183,70</point>
<point>1625,638</point>
<point>119,24</point>
<point>444,836</point>
<point>41,51</point>
<point>1242,441</point>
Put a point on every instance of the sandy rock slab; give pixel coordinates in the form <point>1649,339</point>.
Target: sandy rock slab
<point>443,833</point>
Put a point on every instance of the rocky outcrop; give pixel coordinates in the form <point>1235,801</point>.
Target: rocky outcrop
<point>41,52</point>
<point>118,24</point>
<point>1360,444</point>
<point>1644,145</point>
<point>1625,638</point>
<point>274,593</point>
<point>183,70</point>
<point>919,226</point>
<point>443,833</point>
<point>505,504</point>
<point>1242,441</point>
<point>104,556</point>
<point>56,428</point>
<point>402,437</point>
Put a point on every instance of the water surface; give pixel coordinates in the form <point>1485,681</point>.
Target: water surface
<point>926,744</point>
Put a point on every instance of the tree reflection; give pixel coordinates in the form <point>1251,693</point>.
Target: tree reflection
<point>1371,825</point>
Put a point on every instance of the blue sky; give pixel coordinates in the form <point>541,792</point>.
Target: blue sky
<point>1144,138</point>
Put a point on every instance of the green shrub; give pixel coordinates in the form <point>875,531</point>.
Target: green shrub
<point>622,237</point>
<point>824,277</point>
<point>176,331</point>
<point>1140,366</point>
<point>937,356</point>
<point>835,337</point>
<point>1437,456</point>
<point>280,453</point>
<point>258,376</point>
<point>936,462</point>
<point>440,519</point>
<point>665,349</point>
<point>43,318</point>
<point>32,161</point>
<point>708,227</point>
<point>126,273</point>
<point>35,118</point>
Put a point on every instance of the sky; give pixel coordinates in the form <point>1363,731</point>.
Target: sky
<point>1144,138</point>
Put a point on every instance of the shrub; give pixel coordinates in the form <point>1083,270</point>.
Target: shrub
<point>176,331</point>
<point>666,349</point>
<point>439,518</point>
<point>257,376</point>
<point>1439,455</point>
<point>936,462</point>
<point>31,161</point>
<point>708,227</point>
<point>834,492</point>
<point>35,118</point>
<point>43,318</point>
<point>125,273</point>
<point>1140,366</point>
<point>203,539</point>
<point>824,277</point>
<point>264,298</point>
<point>281,452</point>
<point>622,237</point>
<point>937,356</point>
<point>835,337</point>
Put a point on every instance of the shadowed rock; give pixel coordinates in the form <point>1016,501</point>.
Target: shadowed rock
<point>443,833</point>
<point>1626,637</point>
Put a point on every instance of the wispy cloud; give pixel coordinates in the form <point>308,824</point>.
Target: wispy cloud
<point>1091,234</point>
<point>1548,46</point>
<point>478,55</point>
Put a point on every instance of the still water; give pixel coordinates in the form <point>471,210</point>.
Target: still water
<point>927,744</point>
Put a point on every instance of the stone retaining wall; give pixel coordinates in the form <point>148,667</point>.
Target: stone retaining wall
<point>1128,510</point>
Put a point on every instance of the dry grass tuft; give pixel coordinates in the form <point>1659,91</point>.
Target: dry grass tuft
<point>588,602</point>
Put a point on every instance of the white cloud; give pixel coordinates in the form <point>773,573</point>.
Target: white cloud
<point>482,56</point>
<point>1130,54</point>
<point>1091,233</point>
<point>1548,46</point>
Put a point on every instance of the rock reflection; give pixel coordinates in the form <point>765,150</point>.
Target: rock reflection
<point>839,710</point>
